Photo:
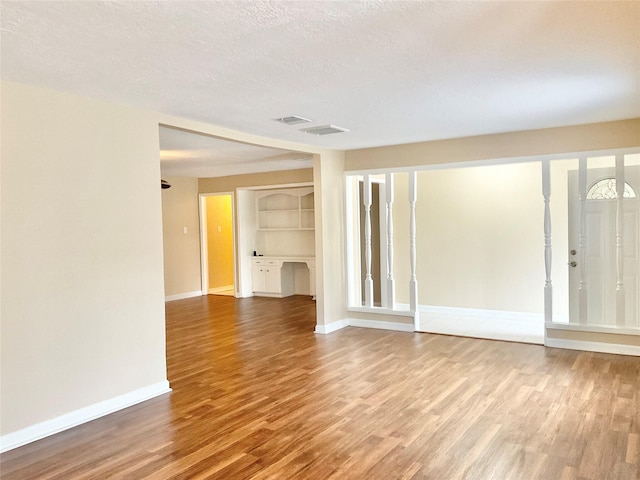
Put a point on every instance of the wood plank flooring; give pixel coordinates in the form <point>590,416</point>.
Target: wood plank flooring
<point>257,395</point>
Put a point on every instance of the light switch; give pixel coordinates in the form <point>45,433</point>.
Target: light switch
<point>219,229</point>
<point>185,230</point>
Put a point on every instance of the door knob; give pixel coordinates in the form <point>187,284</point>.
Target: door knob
<point>573,252</point>
<point>573,264</point>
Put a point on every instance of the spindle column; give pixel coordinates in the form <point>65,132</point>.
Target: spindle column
<point>620,295</point>
<point>583,316</point>
<point>548,288</point>
<point>368,280</point>
<point>391,302</point>
<point>413,283</point>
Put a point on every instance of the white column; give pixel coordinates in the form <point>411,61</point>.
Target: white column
<point>583,315</point>
<point>620,182</point>
<point>548,288</point>
<point>368,279</point>
<point>413,283</point>
<point>391,299</point>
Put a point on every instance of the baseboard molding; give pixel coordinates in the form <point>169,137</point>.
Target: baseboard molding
<point>357,322</point>
<point>82,415</point>
<point>221,289</point>
<point>181,296</point>
<point>576,327</point>
<point>481,313</point>
<point>381,325</point>
<point>599,347</point>
<point>332,327</point>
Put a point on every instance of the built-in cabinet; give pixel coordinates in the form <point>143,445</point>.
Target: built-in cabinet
<point>285,242</point>
<point>275,276</point>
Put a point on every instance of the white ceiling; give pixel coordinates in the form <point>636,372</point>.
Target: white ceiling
<point>389,71</point>
<point>190,154</point>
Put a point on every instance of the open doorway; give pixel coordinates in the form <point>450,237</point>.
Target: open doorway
<point>217,243</point>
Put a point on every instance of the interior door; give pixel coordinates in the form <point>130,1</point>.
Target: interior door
<point>600,268</point>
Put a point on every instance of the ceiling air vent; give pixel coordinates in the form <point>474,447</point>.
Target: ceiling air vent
<point>292,120</point>
<point>324,130</point>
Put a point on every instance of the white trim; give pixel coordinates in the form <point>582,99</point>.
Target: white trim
<point>204,242</point>
<point>351,248</point>
<point>332,327</point>
<point>382,325</point>
<point>480,312</point>
<point>221,289</point>
<point>180,296</point>
<point>381,311</point>
<point>593,328</point>
<point>82,415</point>
<point>357,322</point>
<point>599,347</point>
<point>402,309</point>
<point>272,295</point>
<point>278,186</point>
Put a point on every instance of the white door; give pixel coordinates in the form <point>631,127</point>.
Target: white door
<point>600,268</point>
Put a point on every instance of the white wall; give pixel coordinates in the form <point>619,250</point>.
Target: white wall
<point>181,250</point>
<point>82,315</point>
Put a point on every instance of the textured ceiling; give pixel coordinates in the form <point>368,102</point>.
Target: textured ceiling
<point>389,71</point>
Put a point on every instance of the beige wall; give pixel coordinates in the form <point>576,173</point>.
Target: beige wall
<point>479,238</point>
<point>82,297</point>
<point>549,141</point>
<point>230,183</point>
<point>84,175</point>
<point>181,250</point>
<point>329,186</point>
<point>220,240</point>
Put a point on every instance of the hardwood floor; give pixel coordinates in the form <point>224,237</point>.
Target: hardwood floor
<point>257,395</point>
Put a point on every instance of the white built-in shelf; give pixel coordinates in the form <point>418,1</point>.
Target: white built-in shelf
<point>285,209</point>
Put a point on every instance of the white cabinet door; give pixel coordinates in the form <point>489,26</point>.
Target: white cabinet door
<point>258,277</point>
<point>273,283</point>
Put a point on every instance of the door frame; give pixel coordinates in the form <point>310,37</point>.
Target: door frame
<point>204,240</point>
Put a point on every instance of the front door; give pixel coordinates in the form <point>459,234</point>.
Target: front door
<point>600,268</point>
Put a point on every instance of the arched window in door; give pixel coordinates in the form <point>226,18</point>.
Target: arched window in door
<point>605,189</point>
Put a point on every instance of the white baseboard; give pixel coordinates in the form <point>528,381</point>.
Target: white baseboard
<point>481,312</point>
<point>181,296</point>
<point>357,322</point>
<point>82,415</point>
<point>576,327</point>
<point>332,327</point>
<point>221,289</point>
<point>399,327</point>
<point>599,347</point>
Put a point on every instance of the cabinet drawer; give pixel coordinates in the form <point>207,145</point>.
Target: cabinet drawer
<point>257,261</point>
